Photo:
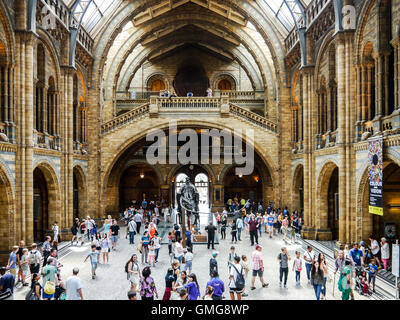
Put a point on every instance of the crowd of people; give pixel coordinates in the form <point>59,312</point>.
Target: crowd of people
<point>356,268</point>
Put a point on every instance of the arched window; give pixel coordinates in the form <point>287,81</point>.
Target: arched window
<point>6,95</point>
<point>39,110</point>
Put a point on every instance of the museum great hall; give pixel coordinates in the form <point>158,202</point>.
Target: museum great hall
<point>82,82</point>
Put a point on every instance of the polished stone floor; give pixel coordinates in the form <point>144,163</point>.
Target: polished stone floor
<point>111,282</point>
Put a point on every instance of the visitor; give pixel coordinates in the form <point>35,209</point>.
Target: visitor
<point>179,250</point>
<point>283,259</point>
<point>235,274</point>
<point>213,263</point>
<point>224,224</point>
<point>148,287</point>
<point>375,250</point>
<point>115,235</point>
<point>24,267</point>
<point>182,278</point>
<point>83,231</point>
<point>75,230</point>
<point>211,229</point>
<point>339,262</point>
<point>105,247</point>
<point>94,259</point>
<point>46,248</point>
<point>209,293</point>
<point>49,273</point>
<point>183,294</point>
<point>89,227</point>
<point>55,230</point>
<point>297,267</point>
<point>138,218</point>
<point>217,285</point>
<point>170,279</point>
<point>74,286</point>
<point>309,257</point>
<point>285,227</point>
<point>192,287</point>
<point>239,225</point>
<point>34,260</point>
<point>231,256</point>
<point>324,266</point>
<point>36,287</point>
<point>253,226</point>
<point>317,278</point>
<point>189,239</point>
<point>356,255</point>
<point>107,225</point>
<point>345,281</point>
<point>7,281</point>
<point>258,267</point>
<point>97,242</point>
<point>270,224</point>
<point>157,245</point>
<point>188,260</point>
<point>372,272</point>
<point>133,272</point>
<point>246,268</point>
<point>131,229</point>
<point>12,261</point>
<point>132,295</point>
<point>260,221</point>
<point>152,254</point>
<point>385,253</point>
<point>144,243</point>
<point>234,231</point>
<point>20,253</point>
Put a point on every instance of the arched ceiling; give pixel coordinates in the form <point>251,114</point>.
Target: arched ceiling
<point>127,34</point>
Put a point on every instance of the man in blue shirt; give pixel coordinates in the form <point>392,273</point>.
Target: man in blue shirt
<point>6,283</point>
<point>357,255</point>
<point>270,224</point>
<point>12,261</point>
<point>217,284</point>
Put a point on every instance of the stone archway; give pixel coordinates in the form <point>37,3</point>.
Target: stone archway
<point>46,201</point>
<point>80,193</point>
<point>327,216</point>
<point>6,216</point>
<point>298,188</point>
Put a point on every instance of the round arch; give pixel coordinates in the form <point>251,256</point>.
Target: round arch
<point>80,192</point>
<point>47,202</point>
<point>7,210</point>
<point>298,188</point>
<point>326,218</point>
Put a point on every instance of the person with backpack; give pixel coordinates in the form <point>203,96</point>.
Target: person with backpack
<point>7,281</point>
<point>131,229</point>
<point>133,272</point>
<point>49,273</point>
<point>345,281</point>
<point>35,293</point>
<point>283,259</point>
<point>231,257</point>
<point>236,279</point>
<point>148,286</point>
<point>34,260</point>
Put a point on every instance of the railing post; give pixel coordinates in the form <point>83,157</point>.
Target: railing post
<point>153,108</point>
<point>224,105</point>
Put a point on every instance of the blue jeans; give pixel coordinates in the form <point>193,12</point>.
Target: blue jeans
<point>308,270</point>
<point>239,231</point>
<point>131,237</point>
<point>297,276</point>
<point>323,290</point>
<point>317,289</point>
<point>157,251</point>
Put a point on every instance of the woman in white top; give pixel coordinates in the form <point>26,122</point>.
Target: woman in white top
<point>133,272</point>
<point>105,247</point>
<point>376,251</point>
<point>179,250</point>
<point>385,253</point>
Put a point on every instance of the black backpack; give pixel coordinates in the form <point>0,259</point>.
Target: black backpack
<point>239,282</point>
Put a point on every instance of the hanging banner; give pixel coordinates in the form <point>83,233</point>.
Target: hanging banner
<point>375,174</point>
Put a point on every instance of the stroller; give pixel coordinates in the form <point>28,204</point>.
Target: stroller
<point>359,285</point>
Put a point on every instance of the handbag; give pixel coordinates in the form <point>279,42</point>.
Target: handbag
<point>49,288</point>
<point>31,295</point>
<point>139,247</point>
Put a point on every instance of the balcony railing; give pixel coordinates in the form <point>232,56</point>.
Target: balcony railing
<point>46,141</point>
<point>188,103</point>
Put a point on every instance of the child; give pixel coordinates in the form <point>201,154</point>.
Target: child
<point>245,266</point>
<point>152,253</point>
<point>209,293</point>
<point>231,257</point>
<point>283,259</point>
<point>297,266</point>
<point>188,261</point>
<point>364,283</point>
<point>372,271</point>
<point>24,266</point>
<point>94,258</point>
<point>213,264</point>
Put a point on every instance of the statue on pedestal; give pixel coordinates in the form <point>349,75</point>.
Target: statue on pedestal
<point>188,199</point>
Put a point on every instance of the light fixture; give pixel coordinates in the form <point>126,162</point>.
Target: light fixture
<point>240,175</point>
<point>142,175</point>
